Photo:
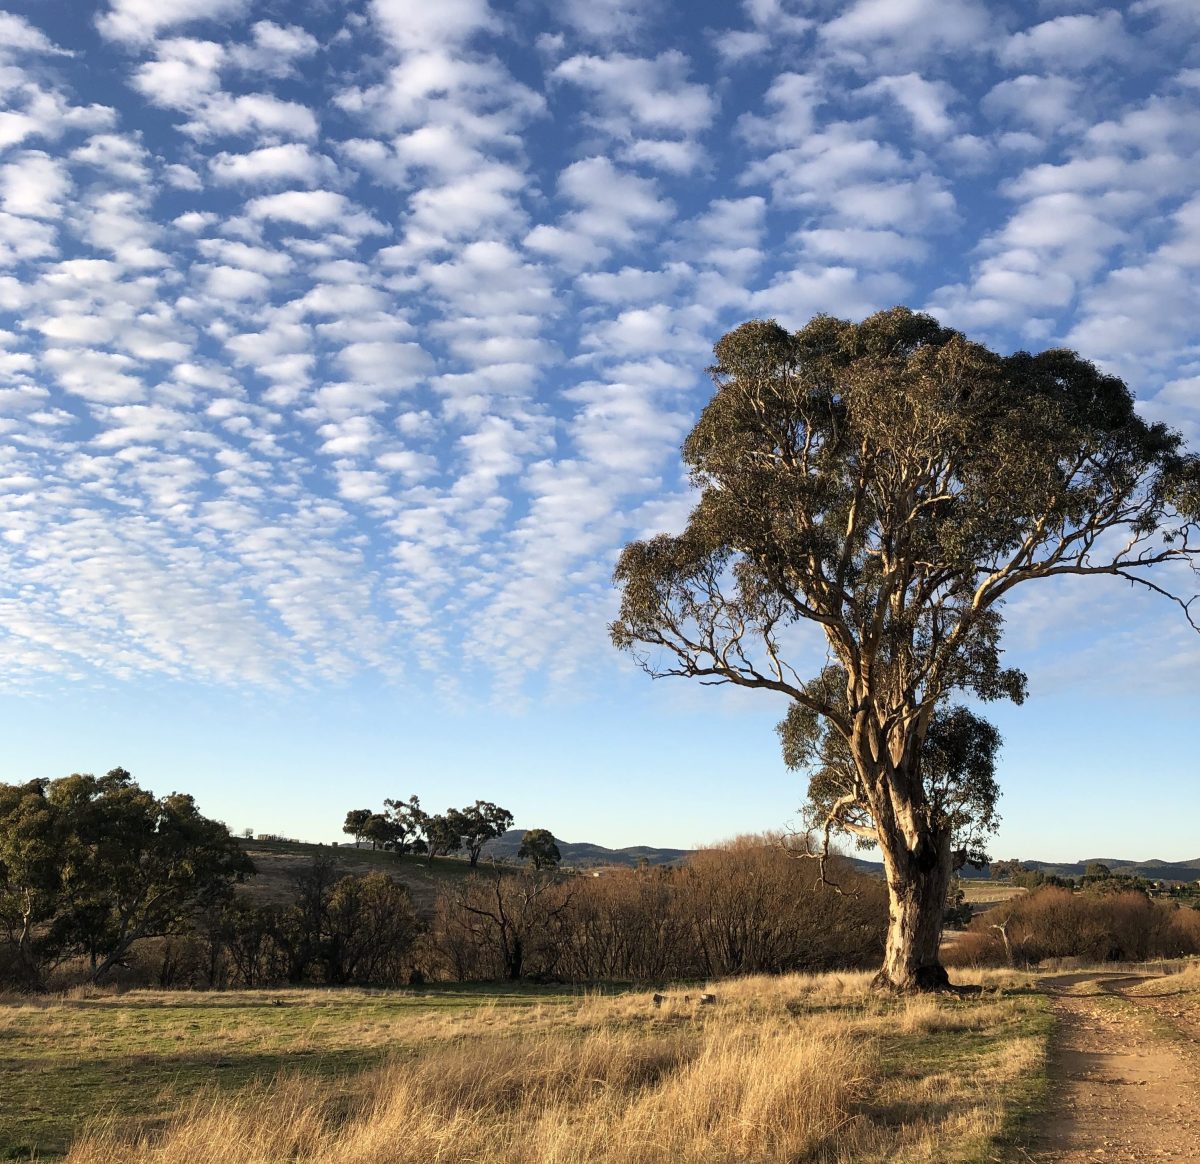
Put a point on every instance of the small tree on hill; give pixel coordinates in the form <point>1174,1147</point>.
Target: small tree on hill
<point>356,823</point>
<point>482,822</point>
<point>539,849</point>
<point>380,830</point>
<point>443,833</point>
<point>408,819</point>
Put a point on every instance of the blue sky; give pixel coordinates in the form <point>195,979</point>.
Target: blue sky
<point>339,358</point>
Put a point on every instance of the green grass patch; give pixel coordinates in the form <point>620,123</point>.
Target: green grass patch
<point>137,1056</point>
<point>970,1055</point>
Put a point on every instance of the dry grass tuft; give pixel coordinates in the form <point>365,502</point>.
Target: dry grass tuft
<point>775,1070</point>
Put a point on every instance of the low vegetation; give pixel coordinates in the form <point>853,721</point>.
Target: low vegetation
<point>749,907</point>
<point>1093,926</point>
<point>787,1068</point>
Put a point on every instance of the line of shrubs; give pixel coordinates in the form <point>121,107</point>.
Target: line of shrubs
<point>746,908</point>
<point>1053,922</point>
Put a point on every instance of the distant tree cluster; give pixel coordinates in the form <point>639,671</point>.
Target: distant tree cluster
<point>327,928</point>
<point>1097,877</point>
<point>746,908</point>
<point>337,930</point>
<point>404,827</point>
<point>91,865</point>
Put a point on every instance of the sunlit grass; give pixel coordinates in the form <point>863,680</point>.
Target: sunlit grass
<point>792,1069</point>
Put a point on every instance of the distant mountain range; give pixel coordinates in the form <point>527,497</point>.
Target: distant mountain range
<point>583,854</point>
<point>1123,867</point>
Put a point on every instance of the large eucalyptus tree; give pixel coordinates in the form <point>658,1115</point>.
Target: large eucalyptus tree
<point>890,482</point>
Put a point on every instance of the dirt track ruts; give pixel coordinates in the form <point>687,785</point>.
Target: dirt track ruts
<point>1123,1090</point>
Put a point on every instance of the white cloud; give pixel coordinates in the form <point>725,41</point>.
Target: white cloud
<point>606,21</point>
<point>613,208</point>
<point>313,209</point>
<point>1049,104</point>
<point>226,283</point>
<point>386,364</point>
<point>1071,43</point>
<point>871,248</point>
<point>673,157</point>
<point>17,35</point>
<point>801,293</point>
<point>920,26</point>
<point>637,93</point>
<point>275,49</point>
<point>924,101</point>
<point>410,27</point>
<point>34,184</point>
<point>185,72</point>
<point>140,21</point>
<point>292,161</point>
<point>251,113</point>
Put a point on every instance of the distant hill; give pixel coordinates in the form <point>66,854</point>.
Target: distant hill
<point>1154,870</point>
<point>583,854</point>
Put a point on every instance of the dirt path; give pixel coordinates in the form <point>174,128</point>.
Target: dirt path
<point>1123,1091</point>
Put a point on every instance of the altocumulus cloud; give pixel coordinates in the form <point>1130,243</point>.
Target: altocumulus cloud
<point>359,337</point>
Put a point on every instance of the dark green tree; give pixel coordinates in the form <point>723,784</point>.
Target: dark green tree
<point>33,837</point>
<point>1005,870</point>
<point>370,926</point>
<point>381,830</point>
<point>409,820</point>
<point>356,823</point>
<point>482,822</point>
<point>92,865</point>
<point>539,849</point>
<point>888,485</point>
<point>443,833</point>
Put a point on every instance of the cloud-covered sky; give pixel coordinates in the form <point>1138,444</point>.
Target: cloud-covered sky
<point>342,345</point>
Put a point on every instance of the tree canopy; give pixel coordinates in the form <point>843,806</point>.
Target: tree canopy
<point>539,848</point>
<point>91,864</point>
<point>889,484</point>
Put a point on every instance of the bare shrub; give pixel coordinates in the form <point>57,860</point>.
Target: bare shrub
<point>1054,923</point>
<point>749,907</point>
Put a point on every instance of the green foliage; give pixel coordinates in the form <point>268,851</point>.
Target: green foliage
<point>90,865</point>
<point>356,823</point>
<point>958,911</point>
<point>337,930</point>
<point>443,832</point>
<point>407,827</point>
<point>957,765</point>
<point>480,823</point>
<point>381,830</point>
<point>539,849</point>
<point>408,820</point>
<point>888,484</point>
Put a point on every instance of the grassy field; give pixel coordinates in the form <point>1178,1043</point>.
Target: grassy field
<point>980,894</point>
<point>782,1069</point>
<point>277,863</point>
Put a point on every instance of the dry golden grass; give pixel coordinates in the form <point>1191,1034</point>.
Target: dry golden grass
<point>776,1070</point>
<point>989,892</point>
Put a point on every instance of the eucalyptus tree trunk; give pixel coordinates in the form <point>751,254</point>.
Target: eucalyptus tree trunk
<point>917,864</point>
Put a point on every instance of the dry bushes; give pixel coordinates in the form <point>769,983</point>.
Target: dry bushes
<point>747,908</point>
<point>1056,923</point>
